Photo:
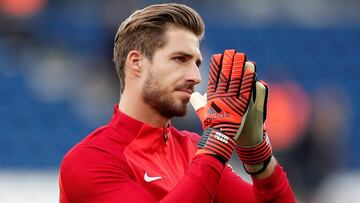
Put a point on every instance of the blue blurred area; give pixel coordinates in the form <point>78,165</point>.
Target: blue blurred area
<point>311,56</point>
<point>34,133</point>
<point>58,83</point>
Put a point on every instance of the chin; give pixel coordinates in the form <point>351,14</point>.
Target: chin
<point>179,112</point>
<point>182,108</point>
<point>182,113</point>
<point>174,111</point>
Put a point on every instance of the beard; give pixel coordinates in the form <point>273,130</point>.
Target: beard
<point>161,101</point>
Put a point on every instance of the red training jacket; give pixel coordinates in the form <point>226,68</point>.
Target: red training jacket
<point>130,161</point>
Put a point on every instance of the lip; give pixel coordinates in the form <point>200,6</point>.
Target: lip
<point>186,91</point>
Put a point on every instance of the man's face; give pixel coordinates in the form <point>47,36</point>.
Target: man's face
<point>173,73</point>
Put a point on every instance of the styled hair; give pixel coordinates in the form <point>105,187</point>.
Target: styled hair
<point>145,31</point>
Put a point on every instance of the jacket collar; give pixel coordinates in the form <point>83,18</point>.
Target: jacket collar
<point>127,126</point>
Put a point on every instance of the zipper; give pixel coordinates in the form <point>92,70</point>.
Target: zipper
<point>165,136</point>
<point>167,164</point>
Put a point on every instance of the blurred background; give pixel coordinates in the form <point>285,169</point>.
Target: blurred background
<point>58,83</point>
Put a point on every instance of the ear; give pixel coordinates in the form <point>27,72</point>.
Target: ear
<point>134,62</point>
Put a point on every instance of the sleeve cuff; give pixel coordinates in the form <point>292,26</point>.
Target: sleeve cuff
<point>271,181</point>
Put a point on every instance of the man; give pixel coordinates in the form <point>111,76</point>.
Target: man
<point>140,157</point>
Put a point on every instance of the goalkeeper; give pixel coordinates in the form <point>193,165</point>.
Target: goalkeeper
<point>140,157</point>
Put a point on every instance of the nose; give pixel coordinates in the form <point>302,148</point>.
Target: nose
<point>193,75</point>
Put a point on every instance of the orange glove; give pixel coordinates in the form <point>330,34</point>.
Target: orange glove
<point>253,145</point>
<point>223,112</point>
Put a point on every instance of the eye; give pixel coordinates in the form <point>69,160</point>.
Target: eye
<point>180,59</point>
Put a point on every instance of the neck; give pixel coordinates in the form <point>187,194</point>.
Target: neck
<point>136,108</point>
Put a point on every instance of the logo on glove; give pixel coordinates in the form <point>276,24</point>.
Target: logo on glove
<point>221,137</point>
<point>215,116</point>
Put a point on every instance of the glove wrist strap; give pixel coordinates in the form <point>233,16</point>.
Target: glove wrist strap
<point>257,154</point>
<point>264,166</point>
<point>217,144</point>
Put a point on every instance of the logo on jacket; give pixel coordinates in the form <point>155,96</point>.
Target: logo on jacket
<point>149,179</point>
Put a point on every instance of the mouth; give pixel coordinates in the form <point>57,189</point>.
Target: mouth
<point>186,89</point>
<point>188,92</point>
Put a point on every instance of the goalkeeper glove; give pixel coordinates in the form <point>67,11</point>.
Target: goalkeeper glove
<point>253,146</point>
<point>223,110</point>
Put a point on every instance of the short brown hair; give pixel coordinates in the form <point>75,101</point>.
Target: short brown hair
<point>145,31</point>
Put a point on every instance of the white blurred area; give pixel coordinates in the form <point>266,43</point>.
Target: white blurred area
<point>339,188</point>
<point>39,186</point>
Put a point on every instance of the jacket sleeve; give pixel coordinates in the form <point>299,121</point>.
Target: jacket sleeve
<point>275,189</point>
<point>85,180</point>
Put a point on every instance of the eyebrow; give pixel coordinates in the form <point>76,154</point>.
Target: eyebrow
<point>198,61</point>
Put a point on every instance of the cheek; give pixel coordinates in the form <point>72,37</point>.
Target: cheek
<point>158,83</point>
<point>167,76</point>
<point>167,79</point>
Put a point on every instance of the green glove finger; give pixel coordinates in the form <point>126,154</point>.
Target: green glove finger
<point>252,132</point>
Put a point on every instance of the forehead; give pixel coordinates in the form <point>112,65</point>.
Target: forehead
<point>182,40</point>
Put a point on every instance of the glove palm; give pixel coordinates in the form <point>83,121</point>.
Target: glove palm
<point>222,111</point>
